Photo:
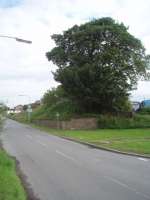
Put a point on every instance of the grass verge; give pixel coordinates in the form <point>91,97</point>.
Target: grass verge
<point>10,185</point>
<point>133,140</point>
<point>127,140</point>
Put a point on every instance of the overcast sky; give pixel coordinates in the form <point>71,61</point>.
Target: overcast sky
<point>24,67</point>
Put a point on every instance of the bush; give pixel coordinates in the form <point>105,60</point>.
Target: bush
<point>65,108</point>
<point>138,121</point>
<point>21,117</point>
<point>53,96</point>
<point>144,111</point>
<point>105,121</point>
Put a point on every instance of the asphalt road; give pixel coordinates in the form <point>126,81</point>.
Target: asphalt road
<point>58,169</point>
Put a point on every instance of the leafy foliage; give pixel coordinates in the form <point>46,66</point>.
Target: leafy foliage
<point>53,96</point>
<point>98,63</point>
<point>55,101</point>
<point>3,108</point>
<point>144,111</point>
<point>25,107</point>
<point>113,122</point>
<point>65,108</point>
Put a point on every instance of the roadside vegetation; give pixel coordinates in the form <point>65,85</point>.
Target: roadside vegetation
<point>3,110</point>
<point>103,121</point>
<point>114,122</point>
<point>10,184</point>
<point>127,140</point>
<point>124,134</point>
<point>98,65</point>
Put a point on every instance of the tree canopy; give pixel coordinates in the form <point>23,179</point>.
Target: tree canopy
<point>99,63</point>
<point>53,96</point>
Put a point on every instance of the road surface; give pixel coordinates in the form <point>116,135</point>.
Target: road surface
<point>58,169</point>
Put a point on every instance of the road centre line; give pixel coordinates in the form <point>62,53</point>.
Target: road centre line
<point>41,143</point>
<point>143,159</point>
<point>65,156</point>
<point>29,136</point>
<point>127,186</point>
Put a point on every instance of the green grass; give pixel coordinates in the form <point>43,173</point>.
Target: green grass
<point>65,108</point>
<point>10,185</point>
<point>128,140</point>
<point>114,122</point>
<point>144,111</point>
<point>125,134</point>
<point>104,121</point>
<point>21,117</point>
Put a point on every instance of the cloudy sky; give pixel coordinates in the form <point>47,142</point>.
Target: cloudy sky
<point>24,67</point>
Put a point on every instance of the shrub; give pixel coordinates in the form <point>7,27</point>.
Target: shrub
<point>65,108</point>
<point>113,122</point>
<point>144,111</point>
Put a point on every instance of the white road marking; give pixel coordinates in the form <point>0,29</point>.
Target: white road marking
<point>66,156</point>
<point>39,136</point>
<point>127,186</point>
<point>143,159</point>
<point>29,136</point>
<point>97,160</point>
<point>41,143</point>
<point>117,181</point>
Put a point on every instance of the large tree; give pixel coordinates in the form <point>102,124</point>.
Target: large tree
<point>99,63</point>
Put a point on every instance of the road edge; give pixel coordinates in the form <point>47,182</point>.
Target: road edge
<point>103,148</point>
<point>23,179</point>
<point>87,143</point>
<point>93,145</point>
<point>26,185</point>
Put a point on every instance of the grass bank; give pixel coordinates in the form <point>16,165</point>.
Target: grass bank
<point>128,140</point>
<point>124,134</point>
<point>10,185</point>
<point>104,121</point>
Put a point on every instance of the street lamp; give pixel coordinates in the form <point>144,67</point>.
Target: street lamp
<point>17,39</point>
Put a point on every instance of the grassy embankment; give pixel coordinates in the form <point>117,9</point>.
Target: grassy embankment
<point>125,134</point>
<point>10,184</point>
<point>128,140</point>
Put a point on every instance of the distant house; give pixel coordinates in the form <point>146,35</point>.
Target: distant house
<point>135,105</point>
<point>10,111</point>
<point>18,109</point>
<point>145,104</point>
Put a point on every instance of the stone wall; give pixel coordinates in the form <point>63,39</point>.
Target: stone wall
<point>80,123</point>
<point>46,122</point>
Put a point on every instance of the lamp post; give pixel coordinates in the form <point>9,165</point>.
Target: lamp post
<point>17,39</point>
<point>28,42</point>
<point>29,109</point>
